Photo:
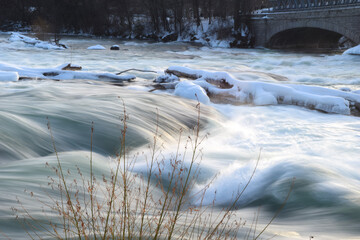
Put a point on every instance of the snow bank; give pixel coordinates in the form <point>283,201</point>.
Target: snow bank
<point>223,86</point>
<point>211,35</point>
<point>9,76</point>
<point>190,90</point>
<point>17,37</point>
<point>59,74</point>
<point>96,47</point>
<point>353,51</point>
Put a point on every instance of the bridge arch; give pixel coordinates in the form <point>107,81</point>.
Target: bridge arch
<point>309,24</point>
<point>322,26</point>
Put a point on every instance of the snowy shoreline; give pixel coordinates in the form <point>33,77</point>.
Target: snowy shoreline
<point>220,33</point>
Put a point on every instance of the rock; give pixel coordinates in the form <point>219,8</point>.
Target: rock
<point>345,89</point>
<point>193,37</point>
<point>115,47</point>
<point>357,106</point>
<point>71,67</point>
<point>170,37</point>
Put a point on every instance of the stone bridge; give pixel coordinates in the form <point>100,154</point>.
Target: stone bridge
<point>293,22</point>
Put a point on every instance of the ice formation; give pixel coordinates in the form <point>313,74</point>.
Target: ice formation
<point>222,87</point>
<point>59,74</point>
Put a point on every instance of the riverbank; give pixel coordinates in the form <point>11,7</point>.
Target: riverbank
<point>215,33</point>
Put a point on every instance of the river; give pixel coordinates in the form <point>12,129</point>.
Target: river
<point>321,151</point>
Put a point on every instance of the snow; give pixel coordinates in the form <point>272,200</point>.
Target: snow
<point>264,10</point>
<point>209,34</point>
<point>17,37</point>
<point>190,90</point>
<point>262,93</point>
<point>96,47</point>
<point>353,51</point>
<point>9,76</point>
<point>59,74</point>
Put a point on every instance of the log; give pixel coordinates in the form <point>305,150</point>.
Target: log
<point>182,74</point>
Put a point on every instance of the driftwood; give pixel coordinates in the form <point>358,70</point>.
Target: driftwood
<point>157,87</point>
<point>136,70</point>
<point>220,83</point>
<point>52,74</point>
<point>182,74</point>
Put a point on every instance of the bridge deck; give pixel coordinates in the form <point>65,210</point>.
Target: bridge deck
<point>296,5</point>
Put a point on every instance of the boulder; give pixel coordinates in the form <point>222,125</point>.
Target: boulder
<point>115,47</point>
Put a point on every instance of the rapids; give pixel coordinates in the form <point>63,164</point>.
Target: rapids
<point>320,150</point>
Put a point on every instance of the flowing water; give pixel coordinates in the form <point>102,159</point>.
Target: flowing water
<point>320,150</point>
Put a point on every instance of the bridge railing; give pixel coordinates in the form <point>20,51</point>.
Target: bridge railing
<point>288,5</point>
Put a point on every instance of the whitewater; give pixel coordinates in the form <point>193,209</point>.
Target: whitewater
<point>318,146</point>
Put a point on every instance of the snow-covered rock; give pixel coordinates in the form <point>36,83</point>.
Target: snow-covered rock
<point>190,90</point>
<point>96,47</point>
<point>222,85</point>
<point>353,51</point>
<point>9,76</point>
<point>17,37</point>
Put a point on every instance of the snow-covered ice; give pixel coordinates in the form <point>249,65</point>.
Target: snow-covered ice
<point>96,47</point>
<point>353,51</point>
<point>9,76</point>
<point>17,37</point>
